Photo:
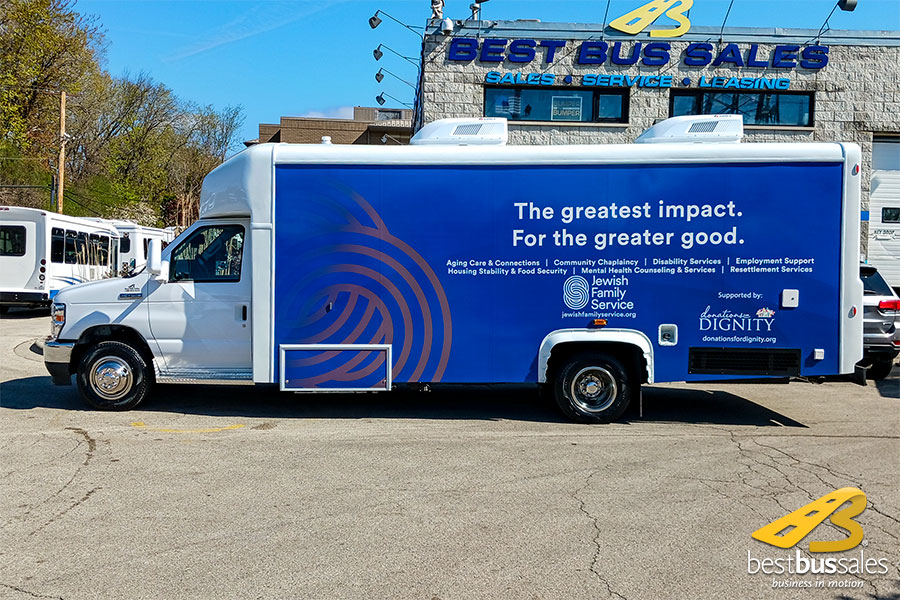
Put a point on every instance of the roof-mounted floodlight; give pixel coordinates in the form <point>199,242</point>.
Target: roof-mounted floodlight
<point>380,100</point>
<point>377,53</point>
<point>374,22</point>
<point>379,76</point>
<point>695,128</point>
<point>475,7</point>
<point>847,5</point>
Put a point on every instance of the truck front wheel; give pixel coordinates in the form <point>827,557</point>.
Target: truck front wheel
<point>113,376</point>
<point>592,388</point>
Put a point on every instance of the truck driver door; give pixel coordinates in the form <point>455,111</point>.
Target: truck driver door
<point>200,312</point>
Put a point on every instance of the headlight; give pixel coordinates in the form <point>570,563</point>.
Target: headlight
<point>57,319</point>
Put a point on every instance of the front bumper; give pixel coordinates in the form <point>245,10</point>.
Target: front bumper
<point>57,357</point>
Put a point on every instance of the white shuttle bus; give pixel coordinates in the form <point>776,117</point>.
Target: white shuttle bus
<point>43,252</point>
<point>134,242</point>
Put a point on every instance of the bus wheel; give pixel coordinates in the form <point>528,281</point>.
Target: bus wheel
<point>113,376</point>
<point>592,388</point>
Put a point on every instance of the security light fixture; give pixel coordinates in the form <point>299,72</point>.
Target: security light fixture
<point>374,22</point>
<point>475,7</point>
<point>846,5</point>
<point>380,100</point>
<point>379,76</point>
<point>377,53</point>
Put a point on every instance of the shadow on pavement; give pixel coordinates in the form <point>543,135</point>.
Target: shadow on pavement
<point>515,402</point>
<point>16,312</point>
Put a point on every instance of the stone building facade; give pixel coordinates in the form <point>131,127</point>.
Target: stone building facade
<point>834,86</point>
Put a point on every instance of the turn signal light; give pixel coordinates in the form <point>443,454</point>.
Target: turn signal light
<point>598,322</point>
<point>889,305</point>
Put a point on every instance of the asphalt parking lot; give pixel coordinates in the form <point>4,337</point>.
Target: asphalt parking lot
<point>476,492</point>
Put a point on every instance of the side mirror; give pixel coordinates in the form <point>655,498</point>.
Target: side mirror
<point>154,258</point>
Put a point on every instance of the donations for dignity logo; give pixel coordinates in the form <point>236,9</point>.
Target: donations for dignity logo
<point>840,506</point>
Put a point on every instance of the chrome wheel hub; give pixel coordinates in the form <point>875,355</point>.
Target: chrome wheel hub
<point>593,389</point>
<point>111,377</point>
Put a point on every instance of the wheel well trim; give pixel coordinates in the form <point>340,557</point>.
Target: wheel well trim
<point>84,342</point>
<point>631,337</point>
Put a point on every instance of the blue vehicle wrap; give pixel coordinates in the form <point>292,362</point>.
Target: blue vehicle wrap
<point>463,270</point>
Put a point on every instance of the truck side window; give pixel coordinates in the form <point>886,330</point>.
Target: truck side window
<point>210,254</point>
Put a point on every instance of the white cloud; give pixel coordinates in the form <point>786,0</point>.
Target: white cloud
<point>335,112</point>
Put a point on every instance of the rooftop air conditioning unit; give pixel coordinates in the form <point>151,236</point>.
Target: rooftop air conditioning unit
<point>483,131</point>
<point>695,128</point>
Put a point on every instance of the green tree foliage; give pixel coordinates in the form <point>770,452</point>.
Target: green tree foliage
<point>134,149</point>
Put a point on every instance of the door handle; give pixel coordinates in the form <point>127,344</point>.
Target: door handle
<point>244,312</point>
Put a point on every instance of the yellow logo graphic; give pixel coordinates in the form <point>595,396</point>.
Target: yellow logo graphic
<point>640,18</point>
<point>791,528</point>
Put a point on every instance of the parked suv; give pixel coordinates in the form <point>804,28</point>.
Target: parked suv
<point>881,323</point>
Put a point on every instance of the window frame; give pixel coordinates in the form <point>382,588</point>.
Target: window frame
<point>190,237</point>
<point>623,92</point>
<point>697,95</point>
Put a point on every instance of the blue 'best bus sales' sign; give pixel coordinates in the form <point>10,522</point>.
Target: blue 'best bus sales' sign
<point>651,54</point>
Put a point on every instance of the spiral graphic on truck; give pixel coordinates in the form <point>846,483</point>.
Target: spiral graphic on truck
<point>576,292</point>
<point>358,284</point>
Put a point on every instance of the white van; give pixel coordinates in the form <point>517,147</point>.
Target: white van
<point>43,252</point>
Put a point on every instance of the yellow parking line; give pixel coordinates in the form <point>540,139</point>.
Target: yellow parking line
<point>142,425</point>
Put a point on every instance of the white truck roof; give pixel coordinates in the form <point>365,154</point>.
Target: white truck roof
<point>244,184</point>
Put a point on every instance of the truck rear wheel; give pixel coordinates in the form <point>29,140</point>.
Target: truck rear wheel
<point>113,376</point>
<point>592,388</point>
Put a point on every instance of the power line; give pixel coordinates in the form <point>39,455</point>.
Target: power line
<point>68,197</point>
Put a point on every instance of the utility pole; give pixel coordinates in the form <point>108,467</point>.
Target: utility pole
<point>62,152</point>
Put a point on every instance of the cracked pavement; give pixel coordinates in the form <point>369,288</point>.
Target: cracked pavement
<point>480,492</point>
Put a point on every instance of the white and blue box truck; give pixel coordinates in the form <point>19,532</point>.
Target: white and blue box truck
<point>590,269</point>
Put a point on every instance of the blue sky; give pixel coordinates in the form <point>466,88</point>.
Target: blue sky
<point>314,58</point>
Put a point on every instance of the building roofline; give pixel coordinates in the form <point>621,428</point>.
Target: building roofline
<point>584,31</point>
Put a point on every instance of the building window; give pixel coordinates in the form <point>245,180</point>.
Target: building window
<point>758,108</point>
<point>556,104</point>
<point>383,114</point>
<point>890,214</point>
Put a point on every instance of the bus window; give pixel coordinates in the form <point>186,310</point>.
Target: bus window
<point>71,255</point>
<point>57,245</point>
<point>81,248</point>
<point>103,254</point>
<point>93,257</point>
<point>12,240</point>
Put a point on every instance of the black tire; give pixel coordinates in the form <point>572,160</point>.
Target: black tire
<point>880,369</point>
<point>113,376</point>
<point>592,388</point>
